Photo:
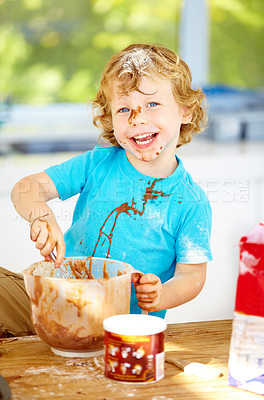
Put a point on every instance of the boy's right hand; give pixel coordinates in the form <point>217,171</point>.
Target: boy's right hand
<point>47,235</point>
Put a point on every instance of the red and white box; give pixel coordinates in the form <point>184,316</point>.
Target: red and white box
<point>246,357</point>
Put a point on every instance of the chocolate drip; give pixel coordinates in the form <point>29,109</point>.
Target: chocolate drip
<point>150,194</point>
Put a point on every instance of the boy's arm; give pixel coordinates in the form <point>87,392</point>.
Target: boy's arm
<point>186,284</point>
<point>29,196</point>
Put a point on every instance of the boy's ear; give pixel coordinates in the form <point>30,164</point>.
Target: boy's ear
<point>187,116</point>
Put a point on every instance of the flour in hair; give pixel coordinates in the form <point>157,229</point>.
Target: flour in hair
<point>139,60</point>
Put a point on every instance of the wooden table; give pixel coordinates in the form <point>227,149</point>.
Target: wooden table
<point>34,372</point>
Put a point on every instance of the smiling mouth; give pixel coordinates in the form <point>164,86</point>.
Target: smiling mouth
<point>144,139</point>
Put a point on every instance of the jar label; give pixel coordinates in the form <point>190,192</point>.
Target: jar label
<point>138,359</point>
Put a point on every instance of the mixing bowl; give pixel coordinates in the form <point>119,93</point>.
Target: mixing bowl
<point>68,314</point>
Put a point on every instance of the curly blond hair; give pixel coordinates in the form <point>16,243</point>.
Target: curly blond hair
<point>128,67</point>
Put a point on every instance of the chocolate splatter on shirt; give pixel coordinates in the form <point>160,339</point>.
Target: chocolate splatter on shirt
<point>150,194</point>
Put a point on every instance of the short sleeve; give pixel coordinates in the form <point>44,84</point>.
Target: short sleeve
<point>70,176</point>
<point>193,238</point>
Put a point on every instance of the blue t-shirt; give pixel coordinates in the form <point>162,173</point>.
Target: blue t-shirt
<point>124,215</point>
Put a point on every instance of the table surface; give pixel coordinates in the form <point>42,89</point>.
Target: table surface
<point>34,372</point>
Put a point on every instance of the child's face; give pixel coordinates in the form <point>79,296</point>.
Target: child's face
<point>147,125</point>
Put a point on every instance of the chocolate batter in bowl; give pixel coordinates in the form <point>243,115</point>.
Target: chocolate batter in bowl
<point>68,314</point>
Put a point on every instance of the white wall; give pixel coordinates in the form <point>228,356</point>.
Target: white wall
<point>231,174</point>
<point>233,178</point>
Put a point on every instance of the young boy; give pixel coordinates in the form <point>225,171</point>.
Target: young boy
<point>137,203</point>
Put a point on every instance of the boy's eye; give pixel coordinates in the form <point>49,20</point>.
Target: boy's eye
<point>122,110</point>
<point>152,104</point>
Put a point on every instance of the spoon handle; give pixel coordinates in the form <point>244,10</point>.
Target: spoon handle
<point>52,255</point>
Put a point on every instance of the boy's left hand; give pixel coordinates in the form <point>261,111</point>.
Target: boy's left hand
<point>148,290</point>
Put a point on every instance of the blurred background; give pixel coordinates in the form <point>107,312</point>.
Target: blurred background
<point>55,50</point>
<point>52,53</point>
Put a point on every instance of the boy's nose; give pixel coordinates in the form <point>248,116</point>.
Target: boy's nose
<point>136,117</point>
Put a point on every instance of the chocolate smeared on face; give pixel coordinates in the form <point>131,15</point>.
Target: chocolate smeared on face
<point>150,194</point>
<point>134,114</point>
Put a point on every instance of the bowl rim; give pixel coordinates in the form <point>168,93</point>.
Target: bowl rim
<point>111,261</point>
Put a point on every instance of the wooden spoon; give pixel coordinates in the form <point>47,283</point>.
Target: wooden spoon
<point>199,370</point>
